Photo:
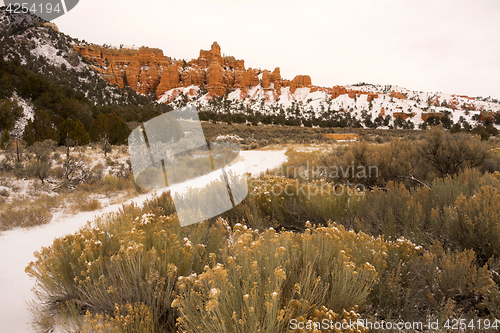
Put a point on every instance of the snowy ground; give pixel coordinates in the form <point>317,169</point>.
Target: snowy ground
<point>17,247</point>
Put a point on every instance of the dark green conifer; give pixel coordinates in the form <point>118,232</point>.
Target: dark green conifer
<point>5,138</point>
<point>40,129</point>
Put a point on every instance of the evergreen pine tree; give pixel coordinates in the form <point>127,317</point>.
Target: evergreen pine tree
<point>81,134</point>
<point>73,130</point>
<point>59,121</point>
<point>39,129</point>
<point>66,130</point>
<point>111,126</point>
<point>9,112</point>
<point>5,138</point>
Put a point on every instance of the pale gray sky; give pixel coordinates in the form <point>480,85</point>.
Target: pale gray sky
<point>446,46</point>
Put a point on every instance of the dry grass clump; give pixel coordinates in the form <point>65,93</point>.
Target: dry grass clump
<point>315,321</point>
<point>461,212</point>
<point>27,213</point>
<point>85,205</point>
<point>140,262</point>
<point>75,184</point>
<point>261,274</point>
<point>437,154</point>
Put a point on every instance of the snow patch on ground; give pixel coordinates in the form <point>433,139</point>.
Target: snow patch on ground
<point>53,55</point>
<point>228,137</point>
<point>28,114</point>
<point>173,94</point>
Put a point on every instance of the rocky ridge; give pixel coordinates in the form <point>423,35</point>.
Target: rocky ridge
<point>212,75</point>
<point>147,70</point>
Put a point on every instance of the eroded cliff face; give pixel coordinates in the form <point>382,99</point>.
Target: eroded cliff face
<point>337,91</point>
<point>148,70</point>
<point>140,69</point>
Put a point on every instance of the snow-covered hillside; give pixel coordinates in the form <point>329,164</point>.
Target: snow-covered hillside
<point>41,48</point>
<point>365,102</point>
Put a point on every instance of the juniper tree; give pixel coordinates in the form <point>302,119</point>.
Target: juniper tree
<point>111,126</point>
<point>39,129</point>
<point>5,138</point>
<point>9,112</point>
<point>73,130</point>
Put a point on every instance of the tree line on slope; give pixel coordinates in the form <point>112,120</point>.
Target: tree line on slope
<point>61,111</point>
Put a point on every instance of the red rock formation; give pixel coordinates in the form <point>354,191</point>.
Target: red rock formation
<point>231,63</point>
<point>382,112</point>
<point>302,81</point>
<point>215,79</point>
<point>132,76</point>
<point>266,79</point>
<point>453,103</point>
<point>486,115</point>
<point>465,96</point>
<point>273,78</point>
<point>246,79</point>
<point>170,78</point>
<point>114,75</point>
<point>228,76</point>
<point>336,91</point>
<point>469,107</point>
<point>299,81</point>
<point>276,79</point>
<point>403,115</point>
<point>371,96</point>
<point>147,69</point>
<point>149,78</point>
<point>243,93</point>
<point>427,115</point>
<point>139,69</point>
<point>193,76</point>
<point>398,94</point>
<point>435,101</point>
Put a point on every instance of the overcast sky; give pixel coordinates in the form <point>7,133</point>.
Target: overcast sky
<point>446,46</point>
